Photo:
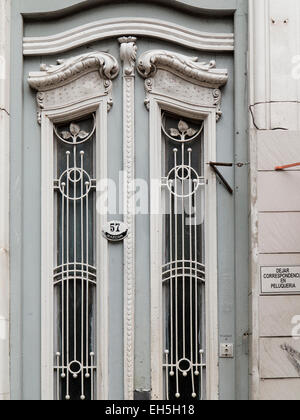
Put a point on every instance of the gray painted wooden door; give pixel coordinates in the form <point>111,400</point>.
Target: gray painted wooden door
<point>29,290</point>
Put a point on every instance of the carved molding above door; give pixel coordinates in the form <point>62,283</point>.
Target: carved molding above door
<point>182,78</point>
<point>74,80</point>
<point>107,28</point>
<point>128,52</point>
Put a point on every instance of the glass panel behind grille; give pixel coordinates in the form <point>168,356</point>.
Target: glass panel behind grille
<point>75,273</point>
<point>183,274</point>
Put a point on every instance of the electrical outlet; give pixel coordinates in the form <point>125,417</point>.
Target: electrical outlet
<point>226,350</point>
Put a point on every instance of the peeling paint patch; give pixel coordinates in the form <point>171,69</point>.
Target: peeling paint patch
<point>293,356</point>
<point>3,329</point>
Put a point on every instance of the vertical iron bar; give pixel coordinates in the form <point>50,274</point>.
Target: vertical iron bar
<point>63,280</point>
<point>191,272</point>
<point>176,278</point>
<point>87,277</point>
<point>183,249</point>
<point>68,276</point>
<point>75,252</point>
<point>171,276</point>
<point>82,275</point>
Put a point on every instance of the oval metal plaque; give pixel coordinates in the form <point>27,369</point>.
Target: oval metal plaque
<point>115,231</point>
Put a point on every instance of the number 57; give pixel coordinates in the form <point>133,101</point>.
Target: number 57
<point>115,227</point>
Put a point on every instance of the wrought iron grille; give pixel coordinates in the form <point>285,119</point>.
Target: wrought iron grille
<point>75,273</point>
<point>183,271</point>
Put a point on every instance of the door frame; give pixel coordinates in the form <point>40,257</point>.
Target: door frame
<point>31,9</point>
<point>208,115</point>
<point>48,119</point>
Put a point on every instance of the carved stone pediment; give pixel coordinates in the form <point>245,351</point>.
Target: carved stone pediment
<point>182,77</point>
<point>73,80</point>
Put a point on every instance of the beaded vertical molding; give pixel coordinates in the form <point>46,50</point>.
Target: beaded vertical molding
<point>128,53</point>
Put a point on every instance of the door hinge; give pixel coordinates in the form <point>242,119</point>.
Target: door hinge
<point>241,164</point>
<point>246,343</point>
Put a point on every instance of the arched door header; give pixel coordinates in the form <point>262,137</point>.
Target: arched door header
<point>107,28</point>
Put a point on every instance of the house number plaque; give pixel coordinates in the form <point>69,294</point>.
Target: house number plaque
<point>115,231</point>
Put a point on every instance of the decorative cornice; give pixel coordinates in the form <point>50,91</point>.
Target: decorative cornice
<point>204,74</point>
<point>66,71</point>
<point>128,52</point>
<point>74,80</point>
<point>56,9</point>
<point>107,28</point>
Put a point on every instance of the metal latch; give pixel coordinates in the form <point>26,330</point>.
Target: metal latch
<point>213,166</point>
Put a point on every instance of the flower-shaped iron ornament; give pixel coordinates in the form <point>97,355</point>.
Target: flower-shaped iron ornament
<point>182,131</point>
<point>75,135</point>
<point>183,171</point>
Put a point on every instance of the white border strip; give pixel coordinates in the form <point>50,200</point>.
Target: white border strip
<point>259,84</point>
<point>107,28</point>
<point>4,199</point>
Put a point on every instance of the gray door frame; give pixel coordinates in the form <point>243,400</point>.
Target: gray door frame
<point>24,10</point>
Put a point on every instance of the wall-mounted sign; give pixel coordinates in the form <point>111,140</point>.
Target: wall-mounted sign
<point>280,280</point>
<point>115,231</point>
